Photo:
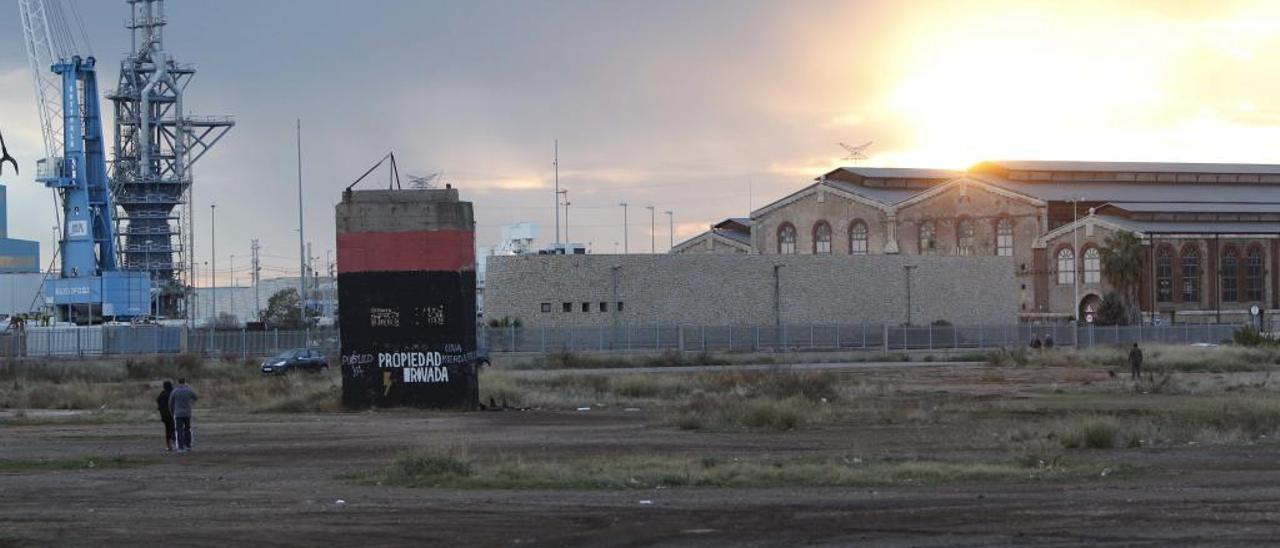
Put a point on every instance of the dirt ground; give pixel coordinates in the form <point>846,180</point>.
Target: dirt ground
<point>284,480</point>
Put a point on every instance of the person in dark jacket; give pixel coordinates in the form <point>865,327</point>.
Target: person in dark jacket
<point>181,401</point>
<point>166,415</point>
<point>1135,363</point>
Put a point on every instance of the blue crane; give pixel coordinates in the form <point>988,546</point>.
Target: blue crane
<point>90,286</point>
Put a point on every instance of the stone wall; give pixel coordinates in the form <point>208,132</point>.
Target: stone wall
<point>705,289</point>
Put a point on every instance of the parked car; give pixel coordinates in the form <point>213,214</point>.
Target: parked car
<point>298,359</point>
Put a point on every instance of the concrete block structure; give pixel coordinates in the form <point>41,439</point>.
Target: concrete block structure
<point>748,290</point>
<point>407,298</point>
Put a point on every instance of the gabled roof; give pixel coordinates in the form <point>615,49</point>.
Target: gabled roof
<point>728,237</point>
<point>898,173</point>
<point>1059,191</point>
<point>886,196</point>
<point>739,224</point>
<point>1127,167</point>
<point>1195,207</point>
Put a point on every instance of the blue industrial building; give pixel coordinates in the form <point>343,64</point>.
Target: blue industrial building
<point>16,256</point>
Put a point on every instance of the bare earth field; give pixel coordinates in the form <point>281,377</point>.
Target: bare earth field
<point>929,455</point>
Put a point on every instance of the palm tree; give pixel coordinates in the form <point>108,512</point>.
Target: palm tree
<point>1122,267</point>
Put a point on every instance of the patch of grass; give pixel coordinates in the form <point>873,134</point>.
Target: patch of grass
<point>1091,434</point>
<point>659,471</point>
<point>1252,416</point>
<point>82,463</point>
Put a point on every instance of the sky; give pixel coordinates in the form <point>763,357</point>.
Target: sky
<point>704,108</point>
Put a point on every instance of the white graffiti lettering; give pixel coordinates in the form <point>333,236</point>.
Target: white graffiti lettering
<point>426,374</point>
<point>384,317</point>
<point>409,359</point>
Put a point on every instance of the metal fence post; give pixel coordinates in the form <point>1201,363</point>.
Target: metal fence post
<point>244,343</point>
<point>837,337</point>
<point>864,335</point>
<point>757,347</point>
<point>930,336</point>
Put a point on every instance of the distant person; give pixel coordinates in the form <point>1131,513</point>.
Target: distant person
<point>166,415</point>
<point>1048,341</point>
<point>1035,342</point>
<point>1135,363</point>
<point>181,401</point>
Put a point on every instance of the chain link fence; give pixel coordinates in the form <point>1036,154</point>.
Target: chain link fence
<point>244,344</point>
<point>159,340</point>
<point>835,337</point>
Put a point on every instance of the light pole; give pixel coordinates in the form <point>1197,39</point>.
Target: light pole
<point>777,303</point>
<point>232,268</point>
<point>302,247</point>
<point>1075,256</point>
<point>213,256</point>
<point>671,228</point>
<point>625,227</point>
<point>556,164</point>
<point>566,215</point>
<point>653,246</point>
<point>908,269</point>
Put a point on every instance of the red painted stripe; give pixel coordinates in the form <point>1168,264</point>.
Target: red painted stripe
<point>447,250</point>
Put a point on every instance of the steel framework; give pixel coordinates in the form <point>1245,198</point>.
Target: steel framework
<point>156,145</point>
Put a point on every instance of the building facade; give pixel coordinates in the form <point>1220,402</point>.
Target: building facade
<point>701,289</point>
<point>1210,232</point>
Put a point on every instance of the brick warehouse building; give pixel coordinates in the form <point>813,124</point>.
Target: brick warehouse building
<point>1211,232</point>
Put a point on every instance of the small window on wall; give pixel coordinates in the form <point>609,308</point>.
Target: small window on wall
<point>568,307</point>
<point>1092,266</point>
<point>928,238</point>
<point>604,307</point>
<point>858,238</point>
<point>586,307</point>
<point>822,238</point>
<point>787,239</point>
<point>1004,238</point>
<point>1066,266</point>
<point>964,237</point>
<point>546,308</point>
<point>619,307</point>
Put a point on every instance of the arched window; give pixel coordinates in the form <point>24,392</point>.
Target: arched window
<point>964,236</point>
<point>1164,274</point>
<point>787,239</point>
<point>1004,238</point>
<point>822,238</point>
<point>1092,266</point>
<point>1066,266</point>
<point>1230,275</point>
<point>858,238</point>
<point>1190,275</point>
<point>928,238</point>
<point>1253,276</point>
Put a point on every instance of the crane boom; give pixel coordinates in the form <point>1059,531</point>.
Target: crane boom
<point>44,48</point>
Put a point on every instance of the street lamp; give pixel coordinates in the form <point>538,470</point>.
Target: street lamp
<point>625,227</point>
<point>671,231</point>
<point>653,246</point>
<point>213,256</point>
<point>907,269</point>
<point>777,303</point>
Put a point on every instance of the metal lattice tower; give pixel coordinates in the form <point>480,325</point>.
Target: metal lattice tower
<point>156,145</point>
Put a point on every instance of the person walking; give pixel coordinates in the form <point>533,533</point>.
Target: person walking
<point>1135,363</point>
<point>166,415</point>
<point>181,401</point>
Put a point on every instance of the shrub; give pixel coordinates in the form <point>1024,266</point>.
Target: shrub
<point>1250,336</point>
<point>418,470</point>
<point>1091,434</point>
